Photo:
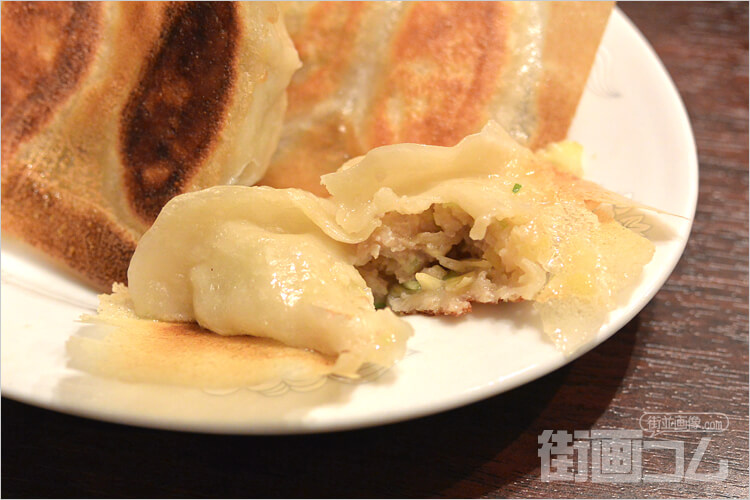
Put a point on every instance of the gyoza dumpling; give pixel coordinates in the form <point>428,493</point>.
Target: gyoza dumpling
<point>487,221</point>
<point>257,261</point>
<point>377,73</point>
<point>110,109</point>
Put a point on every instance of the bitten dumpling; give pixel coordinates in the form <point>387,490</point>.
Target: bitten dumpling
<point>487,220</point>
<point>257,261</point>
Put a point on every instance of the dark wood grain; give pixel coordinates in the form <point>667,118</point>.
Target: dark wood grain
<point>687,351</point>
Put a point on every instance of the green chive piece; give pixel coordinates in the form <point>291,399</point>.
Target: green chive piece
<point>517,188</point>
<point>380,304</point>
<point>412,285</point>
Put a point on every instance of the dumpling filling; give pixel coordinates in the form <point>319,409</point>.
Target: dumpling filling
<point>428,263</point>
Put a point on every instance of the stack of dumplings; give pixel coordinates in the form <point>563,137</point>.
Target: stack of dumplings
<point>407,228</point>
<point>407,161</point>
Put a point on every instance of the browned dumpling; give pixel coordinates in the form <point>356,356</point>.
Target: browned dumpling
<point>111,109</point>
<point>377,73</point>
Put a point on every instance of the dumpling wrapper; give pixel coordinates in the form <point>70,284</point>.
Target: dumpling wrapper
<point>377,73</point>
<point>537,232</point>
<point>110,109</point>
<point>118,344</point>
<point>256,261</point>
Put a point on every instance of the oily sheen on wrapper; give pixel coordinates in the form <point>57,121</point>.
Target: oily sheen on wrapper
<point>537,231</point>
<point>257,261</point>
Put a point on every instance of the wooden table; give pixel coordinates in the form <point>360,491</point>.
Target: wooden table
<point>686,352</point>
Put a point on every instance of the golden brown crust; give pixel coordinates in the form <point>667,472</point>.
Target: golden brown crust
<point>186,354</point>
<point>302,167</point>
<point>70,230</point>
<point>47,50</point>
<point>323,34</point>
<point>445,60</point>
<point>124,105</point>
<point>430,73</point>
<point>466,310</point>
<point>175,338</point>
<point>118,344</point>
<point>38,77</point>
<point>172,118</point>
<point>571,40</point>
<point>445,312</point>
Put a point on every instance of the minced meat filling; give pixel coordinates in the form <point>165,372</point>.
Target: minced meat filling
<point>428,263</point>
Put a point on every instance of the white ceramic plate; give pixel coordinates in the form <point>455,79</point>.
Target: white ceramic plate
<point>638,141</point>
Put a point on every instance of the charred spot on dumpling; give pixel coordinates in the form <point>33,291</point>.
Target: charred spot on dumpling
<point>47,48</point>
<point>172,119</point>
